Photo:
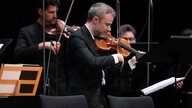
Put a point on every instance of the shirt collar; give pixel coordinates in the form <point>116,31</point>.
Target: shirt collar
<point>90,32</point>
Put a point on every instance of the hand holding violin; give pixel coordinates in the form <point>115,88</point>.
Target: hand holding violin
<point>120,57</point>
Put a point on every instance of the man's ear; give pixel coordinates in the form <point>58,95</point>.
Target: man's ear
<point>40,11</point>
<point>96,19</point>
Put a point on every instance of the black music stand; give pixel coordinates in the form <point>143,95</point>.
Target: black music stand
<point>175,50</point>
<point>143,46</point>
<point>4,43</point>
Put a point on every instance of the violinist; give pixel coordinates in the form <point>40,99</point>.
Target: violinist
<point>86,64</point>
<point>29,49</point>
<point>132,79</point>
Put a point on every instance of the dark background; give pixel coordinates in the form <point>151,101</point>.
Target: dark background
<point>168,17</point>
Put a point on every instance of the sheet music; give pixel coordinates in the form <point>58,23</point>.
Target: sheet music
<point>7,88</point>
<point>161,85</point>
<point>10,75</point>
<point>1,45</point>
<point>13,65</point>
<point>21,65</point>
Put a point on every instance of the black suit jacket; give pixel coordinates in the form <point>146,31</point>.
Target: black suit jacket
<point>26,48</point>
<point>27,52</point>
<point>85,61</point>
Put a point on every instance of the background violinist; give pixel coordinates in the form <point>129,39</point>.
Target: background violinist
<point>29,49</point>
<point>133,77</point>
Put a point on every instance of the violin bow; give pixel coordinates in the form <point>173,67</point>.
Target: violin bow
<point>118,25</point>
<point>118,17</point>
<point>188,70</point>
<point>69,11</point>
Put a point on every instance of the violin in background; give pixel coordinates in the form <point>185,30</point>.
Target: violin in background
<point>60,28</point>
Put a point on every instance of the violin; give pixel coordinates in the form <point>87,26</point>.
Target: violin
<point>57,29</point>
<point>107,43</point>
<point>60,27</point>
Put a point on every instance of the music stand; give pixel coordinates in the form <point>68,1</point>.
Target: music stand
<point>176,49</point>
<point>4,43</point>
<point>7,87</point>
<point>25,79</point>
<point>143,46</point>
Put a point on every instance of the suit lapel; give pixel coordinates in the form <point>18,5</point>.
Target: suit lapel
<point>91,43</point>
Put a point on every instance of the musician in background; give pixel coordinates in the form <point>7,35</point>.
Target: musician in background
<point>188,87</point>
<point>133,77</point>
<point>172,96</point>
<point>29,49</point>
<point>185,70</point>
